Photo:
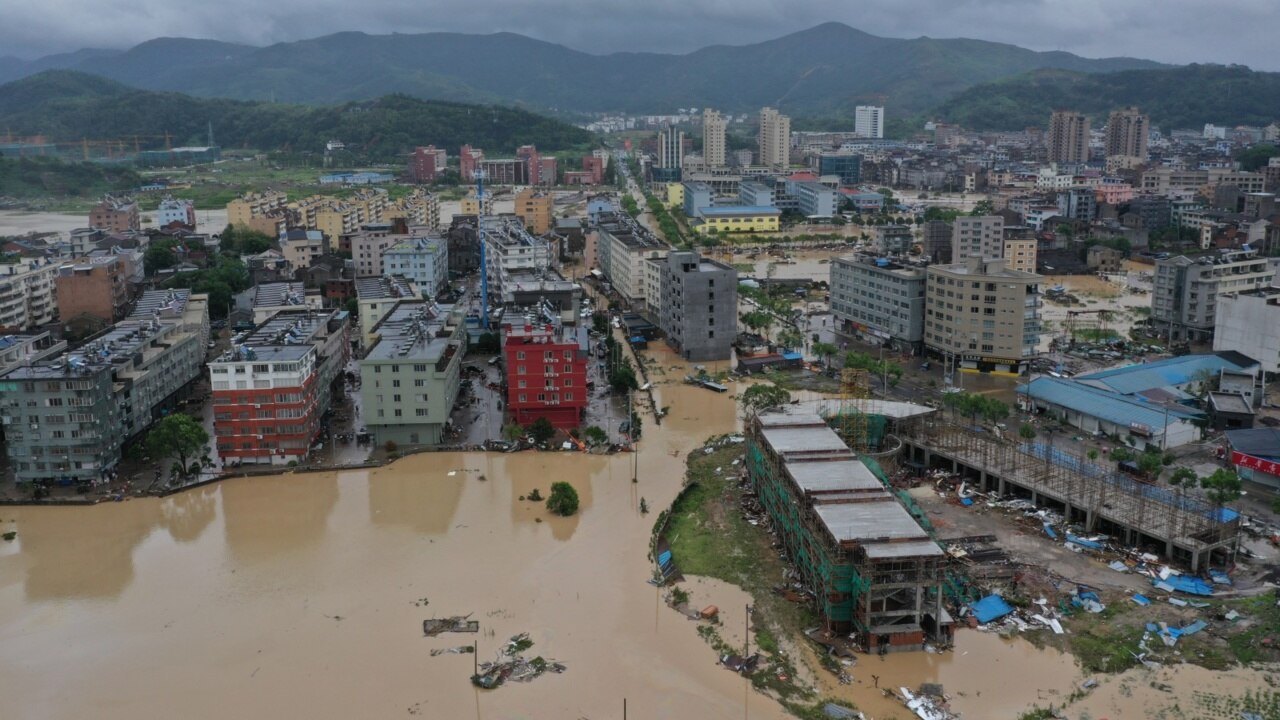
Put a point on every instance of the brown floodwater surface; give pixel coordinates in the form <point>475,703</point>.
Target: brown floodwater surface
<point>294,596</point>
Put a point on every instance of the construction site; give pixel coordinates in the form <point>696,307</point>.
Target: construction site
<point>869,556</point>
<point>870,562</point>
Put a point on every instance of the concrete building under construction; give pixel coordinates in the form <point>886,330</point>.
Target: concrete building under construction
<point>873,569</point>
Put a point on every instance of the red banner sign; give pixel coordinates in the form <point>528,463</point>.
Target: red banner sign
<point>1255,463</point>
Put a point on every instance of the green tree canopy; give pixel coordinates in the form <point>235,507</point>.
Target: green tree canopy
<point>541,430</point>
<point>762,396</point>
<point>563,499</point>
<point>177,435</point>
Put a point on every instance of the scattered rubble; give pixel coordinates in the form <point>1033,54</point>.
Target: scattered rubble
<point>458,624</point>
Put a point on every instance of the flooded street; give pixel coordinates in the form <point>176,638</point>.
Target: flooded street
<point>294,596</point>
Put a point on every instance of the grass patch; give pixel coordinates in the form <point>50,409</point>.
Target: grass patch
<point>1106,649</point>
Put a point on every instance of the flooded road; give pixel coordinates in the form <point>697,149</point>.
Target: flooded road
<point>294,596</point>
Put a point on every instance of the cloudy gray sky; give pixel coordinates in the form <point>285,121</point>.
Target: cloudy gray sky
<point>1224,31</point>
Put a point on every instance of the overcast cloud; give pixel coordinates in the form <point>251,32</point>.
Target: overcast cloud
<point>1176,31</point>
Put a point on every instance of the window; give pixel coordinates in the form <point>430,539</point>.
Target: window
<point>395,368</point>
<point>419,368</point>
<point>523,384</point>
<point>395,398</point>
<point>711,333</point>
<point>420,412</point>
<point>568,382</point>
<point>568,368</point>
<point>568,397</point>
<point>395,383</point>
<point>524,398</point>
<point>398,412</point>
<point>520,356</point>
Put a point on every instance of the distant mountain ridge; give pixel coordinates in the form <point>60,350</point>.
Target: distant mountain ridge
<point>67,106</point>
<point>1181,97</point>
<point>827,68</point>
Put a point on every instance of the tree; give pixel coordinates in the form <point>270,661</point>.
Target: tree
<point>623,378</point>
<point>1092,455</point>
<point>600,323</point>
<point>563,499</point>
<point>1151,463</point>
<point>758,320</point>
<point>512,432</point>
<point>158,257</point>
<point>983,207</point>
<point>762,396</point>
<point>1223,486</point>
<point>177,435</point>
<point>353,306</point>
<point>1122,454</point>
<point>790,339</point>
<point>541,430</point>
<point>825,351</point>
<point>1027,431</point>
<point>488,342</point>
<point>595,436</point>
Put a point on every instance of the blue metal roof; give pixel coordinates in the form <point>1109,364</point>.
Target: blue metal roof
<point>739,210</point>
<point>1160,373</point>
<point>1103,404</point>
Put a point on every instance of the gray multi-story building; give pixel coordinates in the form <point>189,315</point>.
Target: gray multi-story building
<point>1185,290</point>
<point>1078,203</point>
<point>982,315</point>
<point>815,200</point>
<point>423,259</point>
<point>894,239</point>
<point>977,236</point>
<point>697,195</point>
<point>699,306</point>
<point>68,416</point>
<point>755,194</point>
<point>410,376</point>
<point>624,247</point>
<point>879,301</point>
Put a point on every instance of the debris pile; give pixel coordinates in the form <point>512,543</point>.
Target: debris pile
<point>926,706</point>
<point>512,666</point>
<point>458,624</point>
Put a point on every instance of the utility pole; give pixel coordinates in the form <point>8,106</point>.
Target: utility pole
<point>747,632</point>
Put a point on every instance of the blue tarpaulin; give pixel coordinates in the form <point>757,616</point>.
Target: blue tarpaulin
<point>966,502</point>
<point>1077,540</point>
<point>1219,577</point>
<point>1184,584</point>
<point>1140,599</point>
<point>1049,531</point>
<point>1194,627</point>
<point>991,607</point>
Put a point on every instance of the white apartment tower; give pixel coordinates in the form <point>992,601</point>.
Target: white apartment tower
<point>775,138</point>
<point>670,148</point>
<point>868,121</point>
<point>713,125</point>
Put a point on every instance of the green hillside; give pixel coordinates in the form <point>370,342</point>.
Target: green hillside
<point>29,178</point>
<point>827,68</point>
<point>68,106</point>
<point>1181,97</point>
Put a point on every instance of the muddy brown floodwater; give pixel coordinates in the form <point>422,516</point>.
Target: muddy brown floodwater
<point>299,596</point>
<point>293,596</point>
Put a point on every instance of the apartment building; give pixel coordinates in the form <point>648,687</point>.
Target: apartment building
<point>411,374</point>
<point>95,286</point>
<point>116,215</point>
<point>264,300</point>
<point>423,259</point>
<point>622,248</point>
<point>426,164</point>
<point>172,210</point>
<point>879,301</point>
<point>536,209</point>
<point>1020,253</point>
<point>511,249</point>
<point>713,144</point>
<point>417,208</point>
<point>1128,132</point>
<point>546,366</point>
<point>753,194</point>
<point>367,245</point>
<point>868,121</point>
<point>263,212</point>
<point>1068,137</point>
<point>271,390</point>
<point>1185,290</point>
<point>1174,182</point>
<point>377,296</point>
<point>1248,322</point>
<point>67,416</point>
<point>894,239</point>
<point>982,315</point>
<point>27,294</point>
<point>977,236</point>
<point>698,306</point>
<point>301,248</point>
<point>774,138</point>
<point>469,159</point>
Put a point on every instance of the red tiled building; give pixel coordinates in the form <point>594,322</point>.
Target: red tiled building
<point>546,373</point>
